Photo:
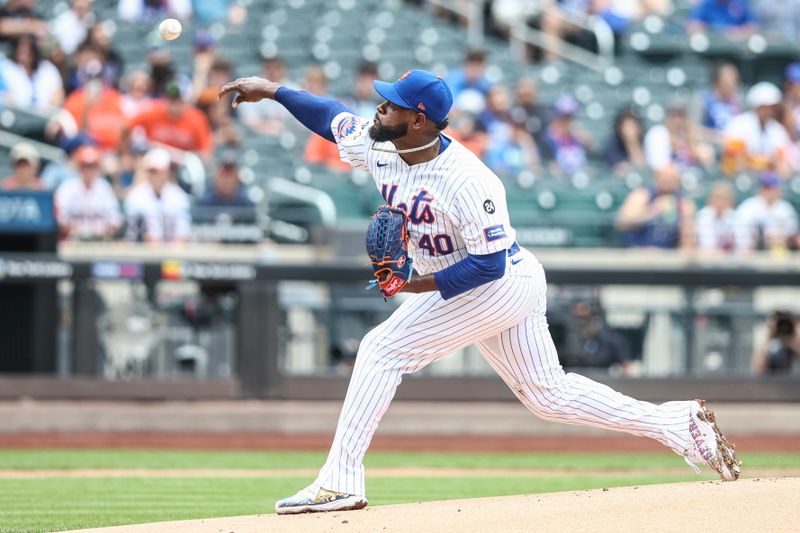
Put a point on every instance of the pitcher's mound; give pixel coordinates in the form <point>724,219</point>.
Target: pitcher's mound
<point>708,506</point>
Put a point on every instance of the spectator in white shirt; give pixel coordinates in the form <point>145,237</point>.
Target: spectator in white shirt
<point>86,206</point>
<point>766,220</point>
<point>71,27</point>
<point>716,221</point>
<point>762,140</point>
<point>157,209</point>
<point>676,141</point>
<point>34,82</point>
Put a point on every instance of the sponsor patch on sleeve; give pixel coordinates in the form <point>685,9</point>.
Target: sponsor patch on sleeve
<point>494,233</point>
<point>347,127</point>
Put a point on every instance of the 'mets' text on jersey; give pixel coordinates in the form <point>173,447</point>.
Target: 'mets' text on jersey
<point>455,204</point>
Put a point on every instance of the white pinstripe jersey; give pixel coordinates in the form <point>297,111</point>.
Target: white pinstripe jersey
<point>455,204</point>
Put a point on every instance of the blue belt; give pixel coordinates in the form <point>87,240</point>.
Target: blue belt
<point>513,249</point>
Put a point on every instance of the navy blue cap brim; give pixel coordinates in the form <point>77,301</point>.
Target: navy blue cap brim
<point>387,90</point>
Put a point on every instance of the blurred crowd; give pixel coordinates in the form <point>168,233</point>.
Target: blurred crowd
<point>568,20</point>
<point>129,130</point>
<point>729,130</point>
<point>730,136</point>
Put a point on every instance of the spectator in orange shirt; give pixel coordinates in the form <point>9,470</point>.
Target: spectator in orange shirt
<point>318,150</point>
<point>97,109</point>
<point>220,73</point>
<point>25,175</point>
<point>322,152</point>
<point>466,129</point>
<point>172,122</point>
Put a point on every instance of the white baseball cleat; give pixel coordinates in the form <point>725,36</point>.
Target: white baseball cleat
<point>708,445</point>
<point>315,499</point>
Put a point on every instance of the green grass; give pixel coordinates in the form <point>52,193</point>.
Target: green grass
<point>58,503</point>
<point>73,459</point>
<point>33,505</point>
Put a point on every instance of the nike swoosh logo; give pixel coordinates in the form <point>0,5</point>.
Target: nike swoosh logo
<point>382,164</point>
<point>517,261</point>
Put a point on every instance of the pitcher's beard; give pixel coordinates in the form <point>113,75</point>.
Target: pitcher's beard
<point>382,134</point>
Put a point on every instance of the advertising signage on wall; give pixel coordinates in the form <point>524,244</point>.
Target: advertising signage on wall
<point>42,269</point>
<point>184,270</point>
<point>26,212</point>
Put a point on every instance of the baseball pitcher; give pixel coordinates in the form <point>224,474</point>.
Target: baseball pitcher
<point>445,235</point>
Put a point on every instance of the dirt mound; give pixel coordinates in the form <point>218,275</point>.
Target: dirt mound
<point>708,506</point>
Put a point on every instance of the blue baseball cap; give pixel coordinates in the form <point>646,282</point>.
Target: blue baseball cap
<point>566,106</point>
<point>770,179</point>
<point>421,91</point>
<point>792,73</point>
<point>203,40</point>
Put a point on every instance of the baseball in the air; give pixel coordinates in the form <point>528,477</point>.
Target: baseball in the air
<point>170,29</point>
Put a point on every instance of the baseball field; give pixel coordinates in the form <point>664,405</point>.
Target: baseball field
<point>68,489</point>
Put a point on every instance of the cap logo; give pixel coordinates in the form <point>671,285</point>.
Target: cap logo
<point>421,106</point>
<point>405,75</point>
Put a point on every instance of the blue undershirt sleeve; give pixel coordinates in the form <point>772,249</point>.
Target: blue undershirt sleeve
<point>314,112</point>
<point>470,272</point>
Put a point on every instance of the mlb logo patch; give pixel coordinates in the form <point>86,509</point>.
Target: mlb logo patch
<point>493,233</point>
<point>347,127</point>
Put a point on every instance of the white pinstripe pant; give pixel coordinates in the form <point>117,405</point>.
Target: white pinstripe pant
<point>506,320</point>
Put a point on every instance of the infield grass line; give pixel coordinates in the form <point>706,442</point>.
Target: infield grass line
<point>11,459</point>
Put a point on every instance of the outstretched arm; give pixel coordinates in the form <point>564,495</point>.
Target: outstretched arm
<point>314,112</point>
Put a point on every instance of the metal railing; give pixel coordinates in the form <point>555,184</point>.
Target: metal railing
<point>522,34</point>
<point>309,195</point>
<point>46,151</point>
<point>472,11</point>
